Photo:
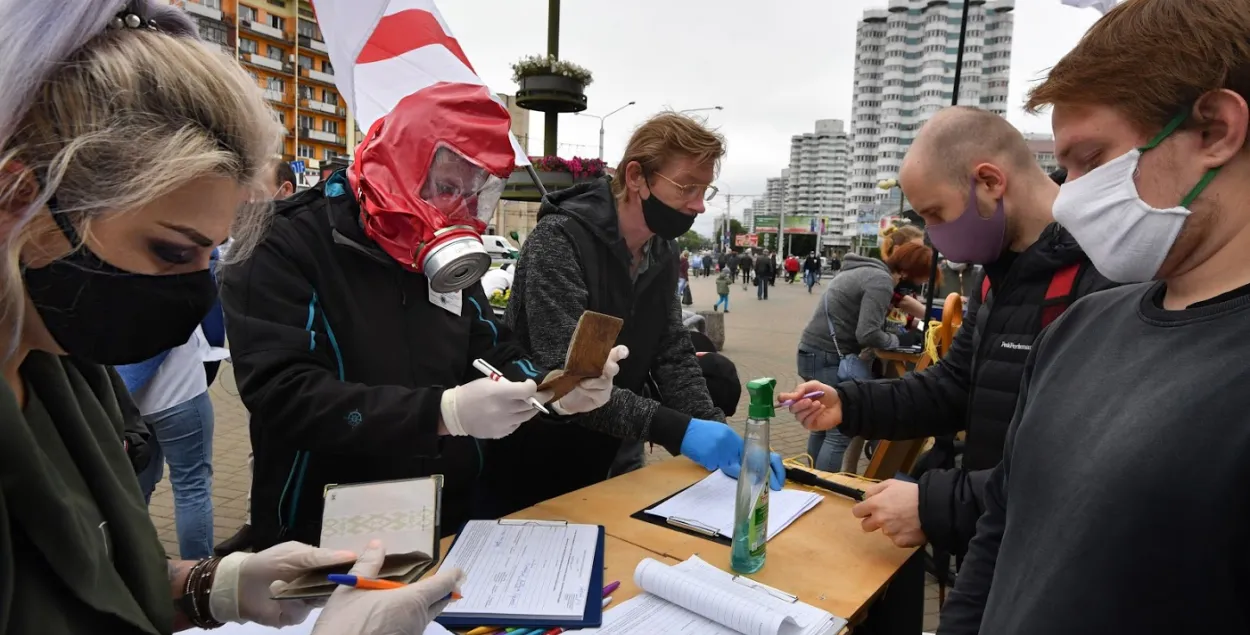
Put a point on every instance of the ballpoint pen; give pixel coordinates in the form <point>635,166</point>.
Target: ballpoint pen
<point>811,395</point>
<point>370,584</point>
<point>607,590</point>
<point>495,375</point>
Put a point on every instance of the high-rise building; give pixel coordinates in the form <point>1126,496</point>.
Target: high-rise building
<point>818,174</point>
<point>775,193</point>
<point>1043,148</point>
<point>905,70</point>
<point>818,170</point>
<point>279,44</point>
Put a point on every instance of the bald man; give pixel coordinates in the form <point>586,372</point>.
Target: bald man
<point>984,199</point>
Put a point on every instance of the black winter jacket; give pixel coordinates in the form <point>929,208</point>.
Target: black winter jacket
<point>974,387</point>
<point>342,360</point>
<point>575,260</point>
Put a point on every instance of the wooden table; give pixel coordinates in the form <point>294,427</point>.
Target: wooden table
<point>824,558</point>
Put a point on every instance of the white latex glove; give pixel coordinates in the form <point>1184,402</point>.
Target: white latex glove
<point>405,611</point>
<point>245,582</point>
<point>488,409</point>
<point>593,393</point>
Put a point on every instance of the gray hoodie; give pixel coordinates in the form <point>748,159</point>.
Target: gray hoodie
<point>857,300</point>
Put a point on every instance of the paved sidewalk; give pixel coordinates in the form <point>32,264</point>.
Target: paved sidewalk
<point>761,339</point>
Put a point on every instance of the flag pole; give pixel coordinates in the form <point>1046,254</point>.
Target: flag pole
<point>538,183</point>
<point>959,69</point>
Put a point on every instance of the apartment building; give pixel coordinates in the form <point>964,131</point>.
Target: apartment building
<point>904,72</point>
<point>279,44</point>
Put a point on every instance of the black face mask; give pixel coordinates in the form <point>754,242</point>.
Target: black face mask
<point>666,222</point>
<point>102,314</point>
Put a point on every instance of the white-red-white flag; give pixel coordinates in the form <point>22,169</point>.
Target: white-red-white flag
<point>385,50</point>
<point>1103,6</point>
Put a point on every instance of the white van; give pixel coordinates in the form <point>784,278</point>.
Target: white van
<point>500,248</point>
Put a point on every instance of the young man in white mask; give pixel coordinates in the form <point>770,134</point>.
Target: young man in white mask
<point>1088,526</point>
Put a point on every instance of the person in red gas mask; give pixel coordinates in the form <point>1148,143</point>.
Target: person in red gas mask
<point>354,326</point>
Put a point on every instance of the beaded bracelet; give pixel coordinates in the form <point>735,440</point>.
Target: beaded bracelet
<point>196,594</point>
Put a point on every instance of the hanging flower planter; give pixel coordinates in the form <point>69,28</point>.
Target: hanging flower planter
<point>550,85</point>
<point>556,173</point>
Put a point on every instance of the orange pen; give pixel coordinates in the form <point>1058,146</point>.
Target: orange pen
<point>369,584</point>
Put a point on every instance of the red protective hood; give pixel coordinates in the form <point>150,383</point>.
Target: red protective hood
<point>393,161</point>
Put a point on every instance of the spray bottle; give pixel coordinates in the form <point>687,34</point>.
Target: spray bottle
<point>751,509</point>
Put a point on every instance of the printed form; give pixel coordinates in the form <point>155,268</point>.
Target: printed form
<point>710,503</point>
<point>527,569</point>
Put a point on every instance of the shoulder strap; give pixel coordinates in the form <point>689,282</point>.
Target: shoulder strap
<point>985,286</point>
<point>1059,293</point>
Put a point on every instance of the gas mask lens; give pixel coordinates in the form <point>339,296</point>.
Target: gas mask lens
<point>461,189</point>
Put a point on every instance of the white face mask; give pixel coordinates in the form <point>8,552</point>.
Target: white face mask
<point>1125,238</point>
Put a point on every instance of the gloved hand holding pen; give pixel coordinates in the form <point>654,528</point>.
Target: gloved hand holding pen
<point>716,446</point>
<point>490,408</point>
<point>405,611</point>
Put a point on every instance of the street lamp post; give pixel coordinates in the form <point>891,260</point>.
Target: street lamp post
<point>889,184</point>
<point>701,109</point>
<point>601,118</point>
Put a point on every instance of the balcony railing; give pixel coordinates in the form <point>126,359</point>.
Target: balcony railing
<point>264,29</point>
<point>197,8</point>
<point>321,106</point>
<point>261,60</point>
<point>313,43</point>
<point>275,95</point>
<point>326,78</point>
<point>322,136</point>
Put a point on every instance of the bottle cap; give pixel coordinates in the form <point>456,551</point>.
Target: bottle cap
<point>761,392</point>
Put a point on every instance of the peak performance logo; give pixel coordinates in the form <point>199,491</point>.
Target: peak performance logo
<point>1016,347</point>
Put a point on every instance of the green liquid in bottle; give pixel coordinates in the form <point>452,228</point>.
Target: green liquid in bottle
<point>750,537</point>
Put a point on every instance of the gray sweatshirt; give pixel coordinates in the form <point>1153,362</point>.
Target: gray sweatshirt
<point>1120,504</point>
<point>857,300</point>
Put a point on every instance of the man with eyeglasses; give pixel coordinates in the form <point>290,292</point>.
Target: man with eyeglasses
<point>607,246</point>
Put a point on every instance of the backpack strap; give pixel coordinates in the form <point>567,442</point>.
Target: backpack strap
<point>1059,293</point>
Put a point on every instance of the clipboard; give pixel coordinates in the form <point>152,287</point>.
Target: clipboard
<point>592,616</point>
<point>683,525</point>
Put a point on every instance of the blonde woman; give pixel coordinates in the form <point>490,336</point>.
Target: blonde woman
<point>128,150</point>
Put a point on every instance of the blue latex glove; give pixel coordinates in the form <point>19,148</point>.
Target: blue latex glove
<point>716,446</point>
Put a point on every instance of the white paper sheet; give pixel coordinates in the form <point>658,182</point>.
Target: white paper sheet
<point>809,619</point>
<point>524,569</point>
<point>710,503</point>
<point>741,614</point>
<point>650,615</point>
<point>304,628</point>
<point>696,597</point>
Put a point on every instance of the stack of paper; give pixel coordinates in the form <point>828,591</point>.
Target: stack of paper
<point>526,571</point>
<point>696,598</point>
<point>710,504</point>
<point>304,628</point>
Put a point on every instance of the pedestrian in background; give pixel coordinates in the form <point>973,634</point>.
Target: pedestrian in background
<point>722,289</point>
<point>765,270</point>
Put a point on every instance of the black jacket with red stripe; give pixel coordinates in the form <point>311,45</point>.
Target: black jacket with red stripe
<point>974,387</point>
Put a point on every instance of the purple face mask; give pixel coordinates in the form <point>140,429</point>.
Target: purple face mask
<point>970,238</point>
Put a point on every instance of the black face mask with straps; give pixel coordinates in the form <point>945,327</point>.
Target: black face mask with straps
<point>666,222</point>
<point>100,313</point>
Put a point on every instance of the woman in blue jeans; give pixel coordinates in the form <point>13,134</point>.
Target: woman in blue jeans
<point>171,391</point>
<point>850,320</point>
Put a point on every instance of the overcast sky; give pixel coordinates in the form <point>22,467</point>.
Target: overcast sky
<point>775,67</point>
